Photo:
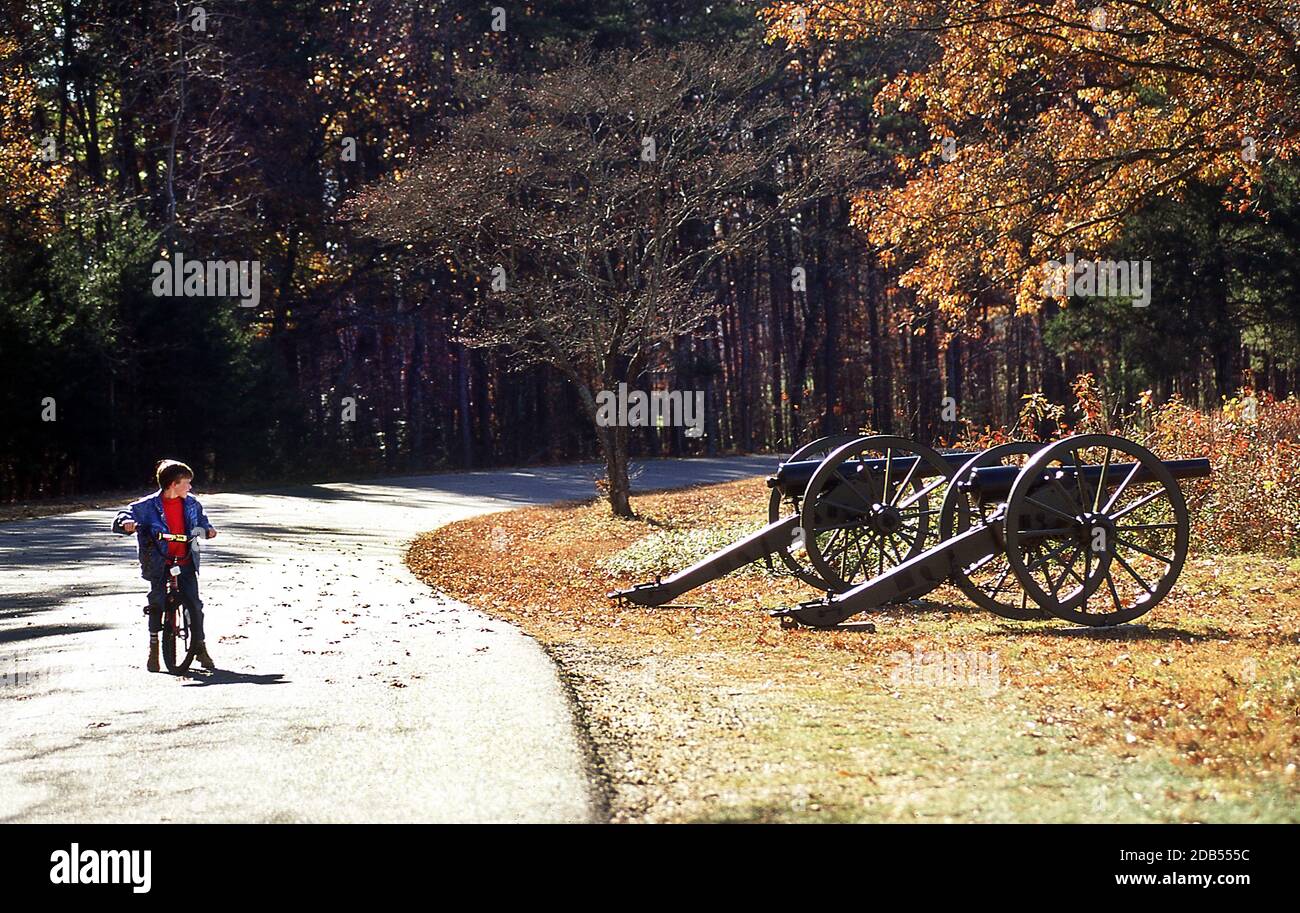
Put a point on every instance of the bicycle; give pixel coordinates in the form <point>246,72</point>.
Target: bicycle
<point>176,615</point>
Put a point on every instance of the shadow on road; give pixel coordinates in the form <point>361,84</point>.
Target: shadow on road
<point>226,677</point>
<point>57,545</point>
<point>20,605</point>
<point>31,632</point>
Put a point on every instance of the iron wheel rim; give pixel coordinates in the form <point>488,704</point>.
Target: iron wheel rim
<point>884,550</point>
<point>823,446</point>
<point>956,516</point>
<point>1154,537</point>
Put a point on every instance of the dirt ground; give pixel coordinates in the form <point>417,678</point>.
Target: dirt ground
<point>711,711</point>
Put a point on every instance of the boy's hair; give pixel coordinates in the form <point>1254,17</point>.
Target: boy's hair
<point>168,471</point>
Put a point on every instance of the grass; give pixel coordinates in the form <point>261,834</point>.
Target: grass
<point>715,713</point>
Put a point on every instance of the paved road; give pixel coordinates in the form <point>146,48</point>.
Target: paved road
<point>353,693</point>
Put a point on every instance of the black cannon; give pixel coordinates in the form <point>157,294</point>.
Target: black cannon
<point>1093,529</point>
<point>842,509</point>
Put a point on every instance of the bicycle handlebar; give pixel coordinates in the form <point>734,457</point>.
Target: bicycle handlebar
<point>196,536</point>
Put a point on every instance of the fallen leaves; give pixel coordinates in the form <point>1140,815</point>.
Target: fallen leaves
<point>1210,680</point>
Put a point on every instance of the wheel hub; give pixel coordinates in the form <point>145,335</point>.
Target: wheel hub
<point>1089,525</point>
<point>885,519</point>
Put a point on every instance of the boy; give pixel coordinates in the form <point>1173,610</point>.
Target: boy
<point>170,509</point>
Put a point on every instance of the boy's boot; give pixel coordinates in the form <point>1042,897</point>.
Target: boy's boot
<point>201,654</point>
<point>152,665</point>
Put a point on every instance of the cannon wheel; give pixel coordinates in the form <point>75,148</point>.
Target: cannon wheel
<point>776,509</point>
<point>1132,535</point>
<point>894,508</point>
<point>989,583</point>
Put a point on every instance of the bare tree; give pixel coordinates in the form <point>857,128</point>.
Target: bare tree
<point>591,204</point>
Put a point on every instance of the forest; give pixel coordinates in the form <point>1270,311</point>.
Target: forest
<point>470,219</point>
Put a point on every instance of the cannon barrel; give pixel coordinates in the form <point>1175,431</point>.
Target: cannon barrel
<point>792,477</point>
<point>993,483</point>
<point>738,554</point>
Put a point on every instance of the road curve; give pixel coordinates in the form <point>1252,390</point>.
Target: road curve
<point>347,691</point>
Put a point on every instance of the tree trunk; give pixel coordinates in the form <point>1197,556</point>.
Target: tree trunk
<point>614,442</point>
<point>462,403</point>
<point>613,446</point>
<point>954,386</point>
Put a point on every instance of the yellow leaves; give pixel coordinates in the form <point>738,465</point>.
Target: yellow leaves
<point>30,177</point>
<point>1126,87</point>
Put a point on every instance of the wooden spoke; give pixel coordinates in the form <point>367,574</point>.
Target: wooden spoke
<point>1141,582</point>
<point>1114,593</point>
<point>1149,554</point>
<point>1044,533</point>
<point>1101,482</point>
<point>1069,568</point>
<point>884,487</point>
<point>1069,498</point>
<point>910,514</point>
<point>908,478</point>
<point>1047,578</point>
<point>1002,579</point>
<point>1049,508</point>
<point>1122,485</point>
<point>849,485</point>
<point>835,502</point>
<point>1047,556</point>
<point>1078,480</point>
<point>830,541</point>
<point>898,559</point>
<point>1145,499</point>
<point>922,492</point>
<point>862,558</point>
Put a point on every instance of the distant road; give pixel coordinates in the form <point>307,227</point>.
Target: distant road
<point>348,691</point>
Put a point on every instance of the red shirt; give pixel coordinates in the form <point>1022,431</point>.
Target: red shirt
<point>174,511</point>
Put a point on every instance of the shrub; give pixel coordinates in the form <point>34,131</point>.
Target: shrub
<point>1250,503</point>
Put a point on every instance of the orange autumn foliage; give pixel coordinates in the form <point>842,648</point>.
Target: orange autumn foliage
<point>1062,119</point>
<point>27,183</point>
<point>1250,503</point>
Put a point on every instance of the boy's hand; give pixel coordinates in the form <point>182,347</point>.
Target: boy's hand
<point>128,526</point>
<point>212,533</point>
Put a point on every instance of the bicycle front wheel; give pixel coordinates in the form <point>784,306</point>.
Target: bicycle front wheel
<point>177,651</point>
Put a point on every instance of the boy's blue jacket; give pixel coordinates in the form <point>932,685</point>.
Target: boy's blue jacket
<point>149,521</point>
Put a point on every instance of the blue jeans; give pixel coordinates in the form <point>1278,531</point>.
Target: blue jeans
<point>189,587</point>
